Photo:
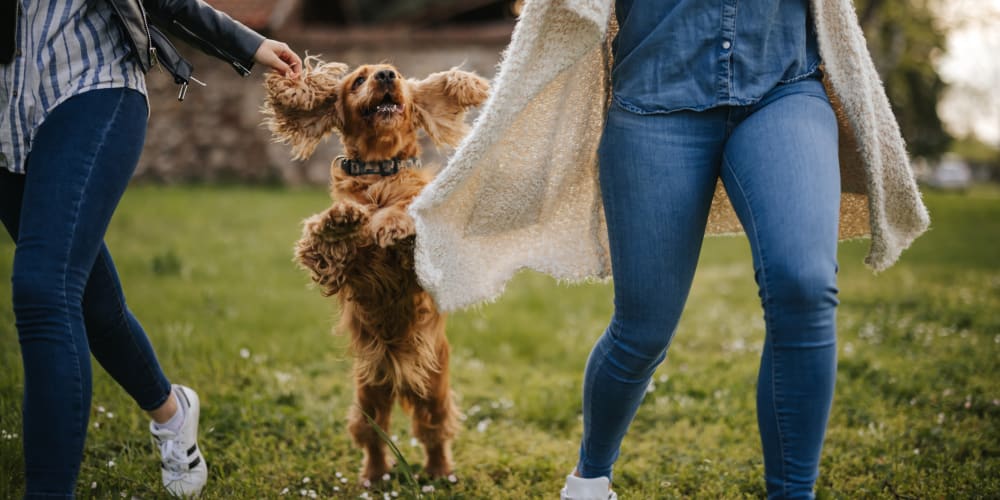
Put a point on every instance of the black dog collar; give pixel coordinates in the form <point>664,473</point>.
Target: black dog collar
<point>384,168</point>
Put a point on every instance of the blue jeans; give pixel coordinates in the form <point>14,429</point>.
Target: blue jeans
<point>68,301</point>
<point>778,162</point>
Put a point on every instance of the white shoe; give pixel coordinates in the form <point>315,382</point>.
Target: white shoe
<point>183,467</point>
<point>578,488</point>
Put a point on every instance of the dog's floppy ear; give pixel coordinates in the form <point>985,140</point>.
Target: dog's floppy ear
<point>303,111</point>
<point>440,102</point>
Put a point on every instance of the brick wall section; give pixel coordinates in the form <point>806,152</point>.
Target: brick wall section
<point>215,134</point>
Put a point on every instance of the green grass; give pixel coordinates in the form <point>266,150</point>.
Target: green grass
<point>209,272</point>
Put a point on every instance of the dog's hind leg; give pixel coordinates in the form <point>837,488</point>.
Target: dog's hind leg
<point>376,402</point>
<point>435,419</point>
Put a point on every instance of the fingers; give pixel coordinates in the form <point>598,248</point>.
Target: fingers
<point>279,57</point>
<point>278,65</point>
<point>292,60</point>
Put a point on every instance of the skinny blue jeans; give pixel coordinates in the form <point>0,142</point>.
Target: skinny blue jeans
<point>68,301</point>
<point>778,162</point>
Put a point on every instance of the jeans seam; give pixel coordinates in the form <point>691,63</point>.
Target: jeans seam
<point>767,345</point>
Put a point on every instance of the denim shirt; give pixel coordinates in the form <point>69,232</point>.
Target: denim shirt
<point>671,55</point>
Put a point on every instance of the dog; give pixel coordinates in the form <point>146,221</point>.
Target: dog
<point>361,248</point>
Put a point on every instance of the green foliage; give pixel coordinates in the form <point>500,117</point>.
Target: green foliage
<point>166,263</point>
<point>905,39</point>
<point>915,416</point>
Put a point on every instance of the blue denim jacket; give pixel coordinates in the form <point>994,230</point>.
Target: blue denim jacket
<point>693,54</point>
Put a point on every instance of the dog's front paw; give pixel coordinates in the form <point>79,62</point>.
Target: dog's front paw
<point>392,226</point>
<point>340,221</point>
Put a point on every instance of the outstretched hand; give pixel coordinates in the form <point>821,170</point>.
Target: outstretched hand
<point>279,57</point>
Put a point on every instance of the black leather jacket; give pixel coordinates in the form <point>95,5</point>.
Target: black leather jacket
<point>193,21</point>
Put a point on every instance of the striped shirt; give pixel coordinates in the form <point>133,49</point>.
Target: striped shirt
<point>64,48</point>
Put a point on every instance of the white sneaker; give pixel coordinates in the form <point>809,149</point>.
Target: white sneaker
<point>578,488</point>
<point>183,467</point>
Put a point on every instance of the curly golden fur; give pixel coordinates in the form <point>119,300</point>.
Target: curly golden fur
<point>361,248</point>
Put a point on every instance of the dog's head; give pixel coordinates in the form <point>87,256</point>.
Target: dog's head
<point>375,110</point>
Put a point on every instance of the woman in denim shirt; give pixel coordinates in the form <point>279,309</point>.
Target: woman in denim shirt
<point>73,117</point>
<point>728,90</point>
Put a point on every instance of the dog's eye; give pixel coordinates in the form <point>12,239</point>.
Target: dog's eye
<point>357,82</point>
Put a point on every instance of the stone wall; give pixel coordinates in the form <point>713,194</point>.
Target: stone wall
<point>215,134</point>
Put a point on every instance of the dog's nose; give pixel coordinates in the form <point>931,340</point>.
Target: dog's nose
<point>386,75</point>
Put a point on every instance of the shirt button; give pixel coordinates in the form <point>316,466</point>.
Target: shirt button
<point>726,45</point>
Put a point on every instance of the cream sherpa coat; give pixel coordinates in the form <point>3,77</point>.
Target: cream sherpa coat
<point>521,191</point>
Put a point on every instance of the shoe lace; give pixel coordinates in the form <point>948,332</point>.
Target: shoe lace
<point>174,459</point>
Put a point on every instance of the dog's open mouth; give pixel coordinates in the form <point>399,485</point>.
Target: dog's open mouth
<point>386,107</point>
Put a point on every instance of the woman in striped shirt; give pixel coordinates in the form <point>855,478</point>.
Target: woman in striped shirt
<point>72,123</point>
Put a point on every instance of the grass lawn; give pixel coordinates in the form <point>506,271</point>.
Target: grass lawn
<point>209,272</point>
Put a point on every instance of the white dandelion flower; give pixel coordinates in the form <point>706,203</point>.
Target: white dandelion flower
<point>111,463</point>
<point>452,478</point>
<point>306,480</point>
<point>429,488</point>
<point>245,353</point>
<point>284,491</point>
<point>483,424</point>
<point>386,477</point>
<point>93,485</point>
